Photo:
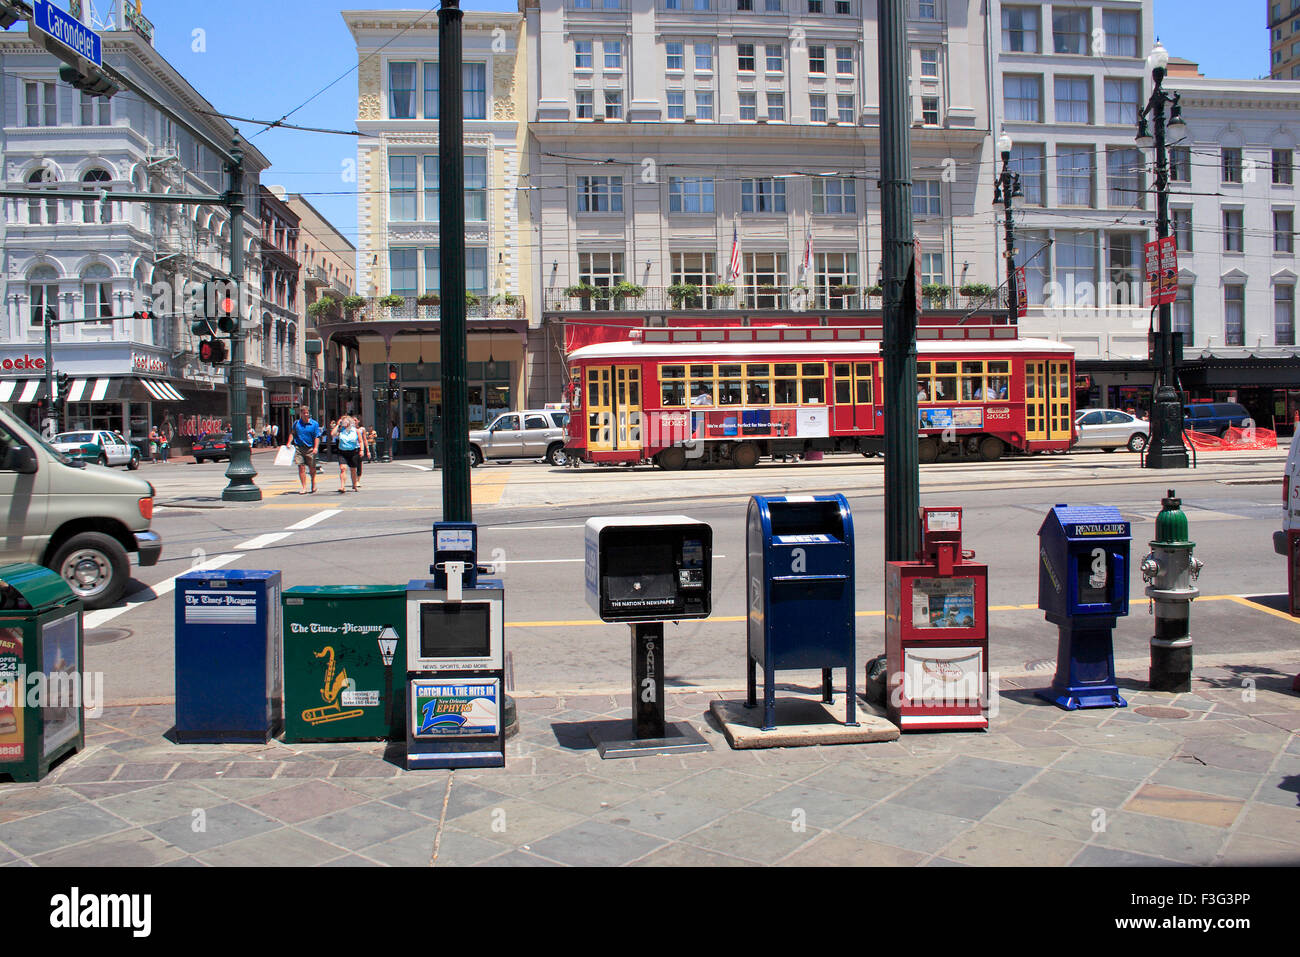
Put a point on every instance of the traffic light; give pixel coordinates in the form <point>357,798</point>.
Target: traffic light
<point>203,328</point>
<point>392,373</point>
<point>61,387</point>
<point>145,315</point>
<point>212,351</point>
<point>91,81</point>
<point>221,302</point>
<point>11,11</point>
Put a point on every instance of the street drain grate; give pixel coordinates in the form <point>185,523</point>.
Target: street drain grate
<point>1041,664</point>
<point>1157,711</point>
<point>106,636</point>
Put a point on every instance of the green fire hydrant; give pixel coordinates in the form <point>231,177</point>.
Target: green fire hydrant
<point>1170,570</point>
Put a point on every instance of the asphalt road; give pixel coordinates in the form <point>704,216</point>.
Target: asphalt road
<point>531,520</point>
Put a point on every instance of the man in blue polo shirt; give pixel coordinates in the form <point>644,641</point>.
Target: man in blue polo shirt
<point>304,437</point>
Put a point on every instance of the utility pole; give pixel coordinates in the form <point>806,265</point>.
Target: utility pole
<point>240,471</point>
<point>1006,189</point>
<point>902,479</point>
<point>1166,450</point>
<point>456,505</point>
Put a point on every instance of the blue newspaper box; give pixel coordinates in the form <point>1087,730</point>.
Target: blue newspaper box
<point>228,668</point>
<point>801,580</point>
<point>1082,589</point>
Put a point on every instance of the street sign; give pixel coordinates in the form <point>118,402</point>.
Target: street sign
<point>67,30</point>
<point>916,274</point>
<point>1022,293</point>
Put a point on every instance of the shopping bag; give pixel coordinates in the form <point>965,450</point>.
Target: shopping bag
<point>284,456</point>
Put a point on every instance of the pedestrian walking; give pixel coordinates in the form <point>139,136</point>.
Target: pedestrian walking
<point>365,447</point>
<point>153,444</point>
<point>304,436</point>
<point>347,441</point>
<point>165,439</point>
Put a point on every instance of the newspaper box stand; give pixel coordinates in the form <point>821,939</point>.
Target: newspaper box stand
<point>41,716</point>
<point>1083,553</point>
<point>800,567</point>
<point>936,632</point>
<point>228,672</point>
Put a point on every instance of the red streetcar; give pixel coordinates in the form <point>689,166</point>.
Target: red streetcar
<point>736,394</point>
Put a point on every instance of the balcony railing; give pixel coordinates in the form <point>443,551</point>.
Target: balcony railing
<point>750,299</point>
<point>412,310</point>
<point>316,276</point>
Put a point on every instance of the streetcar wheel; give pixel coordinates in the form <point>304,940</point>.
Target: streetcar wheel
<point>745,455</point>
<point>927,451</point>
<point>672,460</point>
<point>991,449</point>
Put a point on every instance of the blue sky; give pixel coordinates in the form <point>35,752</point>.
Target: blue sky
<point>265,57</point>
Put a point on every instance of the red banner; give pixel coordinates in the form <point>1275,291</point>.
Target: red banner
<point>1162,270</point>
<point>1022,293</point>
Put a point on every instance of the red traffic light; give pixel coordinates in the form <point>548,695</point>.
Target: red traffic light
<point>212,351</point>
<point>392,373</point>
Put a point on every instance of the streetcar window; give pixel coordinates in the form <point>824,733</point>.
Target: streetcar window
<point>945,382</point>
<point>814,383</point>
<point>972,382</point>
<point>730,389</point>
<point>702,372</point>
<point>672,385</point>
<point>702,385</point>
<point>786,390</point>
<point>864,381</point>
<point>843,383</point>
<point>997,388</point>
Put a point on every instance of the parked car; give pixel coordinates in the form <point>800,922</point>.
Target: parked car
<point>531,434</point>
<point>98,446</point>
<point>1215,417</point>
<point>1111,429</point>
<point>213,447</point>
<point>81,522</point>
<point>1290,498</point>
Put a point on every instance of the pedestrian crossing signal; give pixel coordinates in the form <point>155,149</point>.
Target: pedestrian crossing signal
<point>212,351</point>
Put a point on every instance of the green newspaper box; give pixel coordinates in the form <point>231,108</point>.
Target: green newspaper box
<point>41,694</point>
<point>345,663</point>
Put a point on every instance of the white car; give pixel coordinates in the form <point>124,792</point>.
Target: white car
<point>1290,498</point>
<point>1111,429</point>
<point>97,446</point>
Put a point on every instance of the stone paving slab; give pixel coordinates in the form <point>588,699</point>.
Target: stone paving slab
<point>1208,777</point>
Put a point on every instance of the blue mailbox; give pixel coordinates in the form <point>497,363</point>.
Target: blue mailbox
<point>801,581</point>
<point>229,676</point>
<point>1083,572</point>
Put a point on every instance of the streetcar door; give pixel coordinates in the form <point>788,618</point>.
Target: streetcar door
<point>1061,411</point>
<point>855,394</point>
<point>613,408</point>
<point>1035,401</point>
<point>600,409</point>
<point>627,407</point>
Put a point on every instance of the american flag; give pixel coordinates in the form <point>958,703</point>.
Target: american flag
<point>806,266</point>
<point>735,255</point>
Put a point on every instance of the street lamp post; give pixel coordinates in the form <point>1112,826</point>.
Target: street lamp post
<point>1004,191</point>
<point>1166,450</point>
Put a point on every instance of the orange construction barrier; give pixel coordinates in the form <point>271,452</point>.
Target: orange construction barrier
<point>1233,440</point>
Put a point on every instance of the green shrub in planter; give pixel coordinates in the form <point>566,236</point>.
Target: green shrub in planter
<point>429,299</point>
<point>392,300</point>
<point>471,299</point>
<point>936,292</point>
<point>975,290</point>
<point>680,292</point>
<point>581,290</point>
<point>629,290</point>
<point>325,306</point>
<point>844,290</point>
<point>722,290</point>
<point>353,303</point>
<point>876,290</point>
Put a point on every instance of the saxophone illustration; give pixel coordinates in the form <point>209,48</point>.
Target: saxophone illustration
<point>336,680</point>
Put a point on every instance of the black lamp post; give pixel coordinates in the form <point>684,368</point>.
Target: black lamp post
<point>1005,190</point>
<point>1166,450</point>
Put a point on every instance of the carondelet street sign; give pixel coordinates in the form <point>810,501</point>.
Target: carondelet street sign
<point>68,30</point>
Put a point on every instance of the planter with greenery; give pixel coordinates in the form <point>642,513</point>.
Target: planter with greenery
<point>936,294</point>
<point>682,291</point>
<point>843,291</point>
<point>471,299</point>
<point>505,299</point>
<point>875,291</point>
<point>769,290</point>
<point>327,307</point>
<point>625,290</point>
<point>722,290</point>
<point>580,290</point>
<point>353,303</point>
<point>429,299</point>
<point>976,290</point>
<point>392,301</point>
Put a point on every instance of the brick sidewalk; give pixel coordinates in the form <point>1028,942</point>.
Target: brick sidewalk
<point>1201,778</point>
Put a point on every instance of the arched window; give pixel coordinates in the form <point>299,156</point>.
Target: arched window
<point>43,291</point>
<point>88,207</point>
<point>97,294</point>
<point>42,175</point>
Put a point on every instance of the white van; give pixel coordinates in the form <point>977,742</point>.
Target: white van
<point>1290,497</point>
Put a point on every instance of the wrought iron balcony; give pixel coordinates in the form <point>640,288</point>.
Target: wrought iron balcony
<point>418,309</point>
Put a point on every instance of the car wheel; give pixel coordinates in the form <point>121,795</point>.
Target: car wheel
<point>556,455</point>
<point>475,457</point>
<point>94,566</point>
<point>134,463</point>
<point>1137,442</point>
<point>102,460</point>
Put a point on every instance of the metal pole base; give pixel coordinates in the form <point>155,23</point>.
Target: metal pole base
<point>1171,665</point>
<point>1167,450</point>
<point>241,474</point>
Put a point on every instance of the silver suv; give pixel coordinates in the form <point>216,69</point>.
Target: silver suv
<point>531,434</point>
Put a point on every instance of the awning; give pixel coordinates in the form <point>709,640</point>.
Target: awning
<point>21,390</point>
<point>162,391</point>
<point>90,390</point>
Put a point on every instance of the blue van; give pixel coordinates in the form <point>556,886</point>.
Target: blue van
<point>1214,417</point>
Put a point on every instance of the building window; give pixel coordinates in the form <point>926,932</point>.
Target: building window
<point>1282,167</point>
<point>97,294</point>
<point>43,291</point>
<point>401,91</point>
<point>925,198</point>
<point>1124,268</point>
<point>613,104</point>
<point>745,6</point>
<point>704,58</point>
<point>1123,102</point>
<point>764,271</point>
<point>776,107</point>
<point>676,105</point>
<point>814,6</point>
<point>603,270</point>
<point>690,194</point>
<point>88,207</point>
<point>930,64</point>
<point>432,171</point>
<point>1121,29</point>
<point>402,200</point>
<point>745,56</point>
<point>1184,315</point>
<point>748,107</point>
<point>695,269</point>
<point>927,10</point>
<point>1284,315</point>
<point>586,104</point>
<point>1073,99</point>
<point>1070,30</point>
<point>42,104</point>
<point>932,272</point>
<point>834,196</point>
<point>1231,164</point>
<point>834,270</point>
<point>930,110</point>
<point>613,50</point>
<point>817,59</point>
<point>1124,186</point>
<point>1180,164</point>
<point>1022,99</point>
<point>845,101</point>
<point>817,107</point>
<point>762,195</point>
<point>1027,159</point>
<point>1234,315</point>
<point>582,54</point>
<point>775,58</point>
<point>1283,231</point>
<point>1031,255</point>
<point>676,55</point>
<point>96,110</point>
<point>842,8</point>
<point>1076,266</point>
<point>704,106</point>
<point>1181,221</point>
<point>1020,29</point>
<point>1234,238</point>
<point>1074,175</point>
<point>772,6</point>
<point>475,188</point>
<point>844,61</point>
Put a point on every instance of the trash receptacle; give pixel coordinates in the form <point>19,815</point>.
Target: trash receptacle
<point>228,672</point>
<point>801,578</point>
<point>41,681</point>
<point>341,646</point>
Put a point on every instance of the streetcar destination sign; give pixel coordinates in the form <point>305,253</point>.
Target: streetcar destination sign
<point>68,30</point>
